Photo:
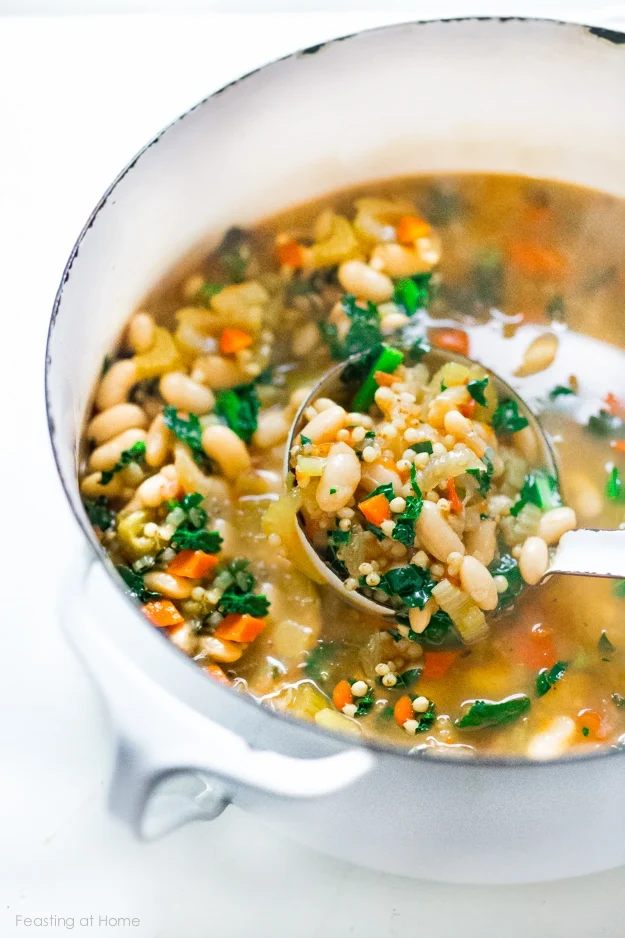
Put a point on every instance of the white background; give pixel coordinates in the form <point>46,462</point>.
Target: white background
<point>77,97</point>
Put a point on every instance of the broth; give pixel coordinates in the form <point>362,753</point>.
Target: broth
<point>511,258</point>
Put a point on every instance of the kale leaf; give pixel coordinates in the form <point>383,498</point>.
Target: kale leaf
<point>134,454</point>
<point>487,713</point>
<point>100,515</point>
<point>507,418</point>
<point>238,407</point>
<point>134,582</point>
<point>548,677</point>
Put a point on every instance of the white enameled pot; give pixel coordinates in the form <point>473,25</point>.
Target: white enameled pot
<point>534,97</point>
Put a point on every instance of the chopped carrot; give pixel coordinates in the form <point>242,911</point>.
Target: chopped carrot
<point>411,228</point>
<point>534,649</point>
<point>453,340</point>
<point>590,720</point>
<point>217,674</point>
<point>537,261</point>
<point>376,509</point>
<point>618,445</point>
<point>291,253</point>
<point>192,563</point>
<point>234,340</point>
<point>239,627</point>
<point>438,663</point>
<point>452,495</point>
<point>162,613</point>
<point>403,711</point>
<point>382,379</point>
<point>388,464</point>
<point>614,405</point>
<point>468,409</point>
<point>342,695</point>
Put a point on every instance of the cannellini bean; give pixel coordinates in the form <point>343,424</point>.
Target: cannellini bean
<point>114,421</point>
<point>399,261</point>
<point>174,587</point>
<point>183,392</point>
<point>184,638</point>
<point>435,535</point>
<point>91,486</point>
<point>227,449</point>
<point>364,282</point>
<point>273,428</point>
<point>553,740</point>
<point>482,542</point>
<point>158,443</point>
<point>217,372</point>
<point>553,524</point>
<point>374,474</point>
<point>527,444</point>
<point>324,427</point>
<point>538,355</point>
<point>297,399</point>
<point>534,560</point>
<point>444,403</point>
<point>339,479</point>
<point>420,618</point>
<point>157,489</point>
<point>305,339</point>
<point>222,650</point>
<point>105,456</point>
<point>192,286</point>
<point>141,334</point>
<point>116,384</point>
<point>478,582</point>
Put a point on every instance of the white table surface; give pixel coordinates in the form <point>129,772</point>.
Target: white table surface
<point>77,97</point>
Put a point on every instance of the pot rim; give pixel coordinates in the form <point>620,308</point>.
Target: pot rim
<point>384,749</point>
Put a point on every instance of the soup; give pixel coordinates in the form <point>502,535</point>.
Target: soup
<point>183,457</point>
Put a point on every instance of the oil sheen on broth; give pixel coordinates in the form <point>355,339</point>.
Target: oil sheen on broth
<point>182,473</point>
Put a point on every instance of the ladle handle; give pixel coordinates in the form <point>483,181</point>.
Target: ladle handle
<point>590,553</point>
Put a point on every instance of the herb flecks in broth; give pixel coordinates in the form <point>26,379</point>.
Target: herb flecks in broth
<point>182,479</point>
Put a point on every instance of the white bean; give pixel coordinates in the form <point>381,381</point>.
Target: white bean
<point>374,474</point>
<point>305,339</point>
<point>174,587</point>
<point>227,449</point>
<point>158,442</point>
<point>116,384</point>
<point>420,618</point>
<point>538,355</point>
<point>534,560</point>
<point>185,393</point>
<point>297,399</point>
<point>221,650</point>
<point>339,479</point>
<point>324,427</point>
<point>114,421</point>
<point>553,524</point>
<point>365,282</point>
<point>482,542</point>
<point>141,333</point>
<point>273,428</point>
<point>527,444</point>
<point>105,456</point>
<point>91,486</point>
<point>217,372</point>
<point>478,582</point>
<point>400,261</point>
<point>554,740</point>
<point>157,489</point>
<point>435,535</point>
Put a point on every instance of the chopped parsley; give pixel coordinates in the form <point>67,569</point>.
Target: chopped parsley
<point>404,523</point>
<point>413,482</point>
<point>540,489</point>
<point>585,731</point>
<point>188,430</point>
<point>134,454</point>
<point>100,515</point>
<point>605,647</point>
<point>477,390</point>
<point>507,418</point>
<point>549,677</point>
<point>191,533</point>
<point>615,487</point>
<point>425,446</point>
<point>238,597</point>
<point>488,713</point>
<point>413,293</point>
<point>507,566</point>
<point>134,582</point>
<point>606,424</point>
<point>560,390</point>
<point>106,364</point>
<point>413,585</point>
<point>386,490</point>
<point>238,408</point>
<point>332,491</point>
<point>484,476</point>
<point>305,440</point>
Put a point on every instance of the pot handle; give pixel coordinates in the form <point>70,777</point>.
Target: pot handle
<point>160,737</point>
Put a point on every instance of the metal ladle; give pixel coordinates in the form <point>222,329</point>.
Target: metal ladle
<point>583,552</point>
